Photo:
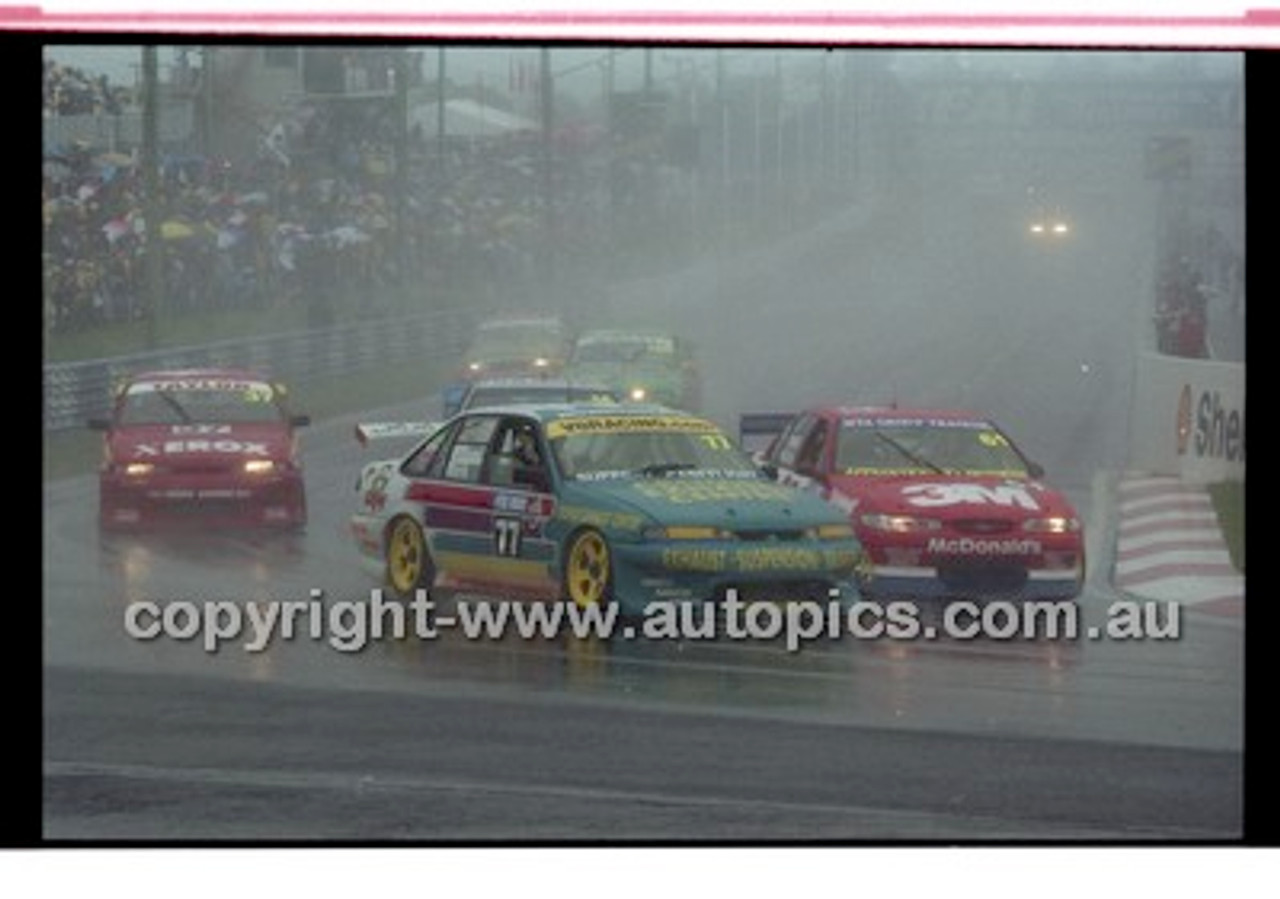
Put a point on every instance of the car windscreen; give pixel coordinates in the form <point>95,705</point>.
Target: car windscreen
<point>205,403</point>
<point>601,448</point>
<point>871,447</point>
<point>625,350</point>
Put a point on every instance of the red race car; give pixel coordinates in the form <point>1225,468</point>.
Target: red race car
<point>943,502</point>
<point>213,446</point>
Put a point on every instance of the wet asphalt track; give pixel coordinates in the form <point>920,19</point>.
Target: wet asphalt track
<point>853,740</point>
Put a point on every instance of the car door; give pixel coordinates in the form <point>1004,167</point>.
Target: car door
<point>518,473</point>
<point>454,503</point>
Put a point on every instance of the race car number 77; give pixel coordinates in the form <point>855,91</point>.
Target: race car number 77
<point>506,536</point>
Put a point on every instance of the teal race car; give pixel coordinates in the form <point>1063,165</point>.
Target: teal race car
<point>595,503</point>
<point>641,366</point>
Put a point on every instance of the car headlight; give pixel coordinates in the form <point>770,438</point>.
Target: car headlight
<point>541,362</point>
<point>259,466</point>
<point>474,366</point>
<point>831,532</point>
<point>1058,524</point>
<point>638,394</point>
<point>139,469</point>
<point>899,524</point>
<point>1061,228</point>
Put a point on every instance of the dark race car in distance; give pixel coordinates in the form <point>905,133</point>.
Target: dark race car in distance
<point>516,345</point>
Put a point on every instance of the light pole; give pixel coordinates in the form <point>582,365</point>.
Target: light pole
<point>153,258</point>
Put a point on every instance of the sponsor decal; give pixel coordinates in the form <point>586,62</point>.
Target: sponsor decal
<point>254,388</point>
<point>695,559</point>
<point>682,492</point>
<point>1184,420</point>
<point>375,496</point>
<point>179,447</point>
<point>757,559</point>
<point>198,429</point>
<point>776,558</point>
<point>620,424</point>
<point>1209,428</point>
<point>969,546</point>
<point>939,495</point>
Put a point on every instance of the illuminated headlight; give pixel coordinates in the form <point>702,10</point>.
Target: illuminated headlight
<point>139,469</point>
<point>1061,228</point>
<point>474,366</point>
<point>259,466</point>
<point>1055,525</point>
<point>1037,228</point>
<point>830,532</point>
<point>541,362</point>
<point>900,524</point>
<point>638,394</point>
<point>684,532</point>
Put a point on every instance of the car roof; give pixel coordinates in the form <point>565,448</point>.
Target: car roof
<point>522,321</point>
<point>898,413</point>
<point>552,384</point>
<point>622,334</point>
<point>191,374</point>
<point>552,411</point>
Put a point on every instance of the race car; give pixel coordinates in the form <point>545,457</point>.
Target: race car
<point>207,446</point>
<point>643,366</point>
<point>516,345</point>
<point>489,392</point>
<point>943,501</point>
<point>578,502</point>
<point>1049,223</point>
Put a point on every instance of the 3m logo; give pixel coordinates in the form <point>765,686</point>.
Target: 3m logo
<point>1008,495</point>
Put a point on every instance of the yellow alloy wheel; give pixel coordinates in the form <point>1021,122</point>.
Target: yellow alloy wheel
<point>588,573</point>
<point>407,562</point>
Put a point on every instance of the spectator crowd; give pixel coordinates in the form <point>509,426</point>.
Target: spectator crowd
<point>312,213</point>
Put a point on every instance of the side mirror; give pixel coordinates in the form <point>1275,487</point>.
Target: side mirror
<point>1036,470</point>
<point>99,424</point>
<point>769,470</point>
<point>299,421</point>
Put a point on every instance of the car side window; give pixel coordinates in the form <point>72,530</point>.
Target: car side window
<point>466,456</point>
<point>791,440</point>
<point>517,459</point>
<point>810,455</point>
<point>425,460</point>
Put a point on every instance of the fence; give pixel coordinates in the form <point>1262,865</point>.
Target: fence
<point>77,391</point>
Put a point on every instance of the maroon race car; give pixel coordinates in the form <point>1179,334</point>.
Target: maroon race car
<point>209,446</point>
<point>944,503</point>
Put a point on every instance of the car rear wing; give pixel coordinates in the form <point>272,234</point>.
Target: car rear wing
<point>757,430</point>
<point>370,431</point>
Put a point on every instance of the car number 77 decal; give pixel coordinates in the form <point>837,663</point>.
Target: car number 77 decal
<point>506,536</point>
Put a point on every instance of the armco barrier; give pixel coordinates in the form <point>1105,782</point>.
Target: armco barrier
<point>76,391</point>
